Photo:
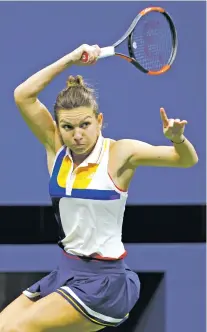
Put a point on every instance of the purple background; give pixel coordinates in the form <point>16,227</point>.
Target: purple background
<point>34,34</point>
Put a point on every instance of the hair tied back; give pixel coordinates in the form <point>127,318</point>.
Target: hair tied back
<point>75,81</point>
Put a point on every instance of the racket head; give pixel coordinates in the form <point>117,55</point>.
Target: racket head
<point>153,42</point>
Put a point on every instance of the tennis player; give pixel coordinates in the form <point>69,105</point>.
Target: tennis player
<point>92,287</point>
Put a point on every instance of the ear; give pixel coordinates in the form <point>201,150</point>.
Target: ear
<point>100,119</point>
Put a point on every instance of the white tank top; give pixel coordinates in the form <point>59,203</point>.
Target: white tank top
<point>89,208</point>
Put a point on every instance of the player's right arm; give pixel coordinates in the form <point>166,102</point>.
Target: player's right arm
<point>37,117</point>
<point>35,114</point>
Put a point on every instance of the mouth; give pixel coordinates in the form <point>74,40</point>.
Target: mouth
<point>78,146</point>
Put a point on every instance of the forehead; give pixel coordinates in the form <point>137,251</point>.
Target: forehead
<point>75,115</point>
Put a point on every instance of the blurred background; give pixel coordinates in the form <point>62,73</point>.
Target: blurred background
<point>164,223</point>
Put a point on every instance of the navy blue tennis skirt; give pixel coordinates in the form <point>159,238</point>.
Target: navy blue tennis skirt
<point>103,291</point>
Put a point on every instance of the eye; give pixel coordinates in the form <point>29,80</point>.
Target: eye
<point>85,125</point>
<point>67,127</point>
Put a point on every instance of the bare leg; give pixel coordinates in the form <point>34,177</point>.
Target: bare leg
<point>52,314</point>
<point>14,310</point>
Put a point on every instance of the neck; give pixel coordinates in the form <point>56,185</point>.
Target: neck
<point>78,159</point>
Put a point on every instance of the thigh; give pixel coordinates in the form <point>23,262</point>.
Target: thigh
<point>15,309</point>
<point>54,313</point>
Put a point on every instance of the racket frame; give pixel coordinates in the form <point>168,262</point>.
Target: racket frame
<point>167,66</point>
<point>111,50</point>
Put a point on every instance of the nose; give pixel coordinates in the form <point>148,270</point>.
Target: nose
<point>77,136</point>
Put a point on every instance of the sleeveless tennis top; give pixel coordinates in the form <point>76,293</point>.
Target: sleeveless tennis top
<point>88,207</point>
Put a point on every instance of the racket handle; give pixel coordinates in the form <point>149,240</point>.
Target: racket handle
<point>105,52</point>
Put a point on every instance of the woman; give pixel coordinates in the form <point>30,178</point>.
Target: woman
<point>89,179</point>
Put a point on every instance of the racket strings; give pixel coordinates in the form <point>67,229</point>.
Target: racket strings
<point>152,42</point>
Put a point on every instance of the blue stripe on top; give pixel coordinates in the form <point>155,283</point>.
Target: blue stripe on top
<point>94,194</point>
<point>102,195</point>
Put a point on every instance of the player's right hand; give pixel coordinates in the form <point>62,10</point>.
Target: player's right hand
<point>85,54</point>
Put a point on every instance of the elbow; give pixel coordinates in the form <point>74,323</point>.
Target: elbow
<point>191,163</point>
<point>19,95</point>
<point>196,160</point>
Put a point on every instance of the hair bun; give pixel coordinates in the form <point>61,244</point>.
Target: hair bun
<point>75,81</point>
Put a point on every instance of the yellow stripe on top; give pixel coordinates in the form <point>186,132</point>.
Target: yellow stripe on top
<point>84,176</point>
<point>64,171</point>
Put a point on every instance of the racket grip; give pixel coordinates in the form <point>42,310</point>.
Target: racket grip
<point>105,52</point>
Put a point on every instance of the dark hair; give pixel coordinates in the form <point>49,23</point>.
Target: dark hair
<point>76,94</point>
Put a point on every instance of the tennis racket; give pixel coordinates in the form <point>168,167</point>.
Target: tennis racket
<point>152,42</point>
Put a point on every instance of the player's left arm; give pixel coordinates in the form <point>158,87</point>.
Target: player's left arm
<point>180,154</point>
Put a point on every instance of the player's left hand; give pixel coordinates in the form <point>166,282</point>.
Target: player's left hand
<point>173,129</point>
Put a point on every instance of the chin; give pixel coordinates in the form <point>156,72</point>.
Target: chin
<point>80,150</point>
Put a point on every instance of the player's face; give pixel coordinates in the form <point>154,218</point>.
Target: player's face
<point>79,128</point>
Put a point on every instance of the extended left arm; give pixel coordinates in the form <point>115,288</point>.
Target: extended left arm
<point>143,154</point>
<point>181,154</point>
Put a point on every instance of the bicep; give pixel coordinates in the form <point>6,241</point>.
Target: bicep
<point>144,154</point>
<point>39,120</point>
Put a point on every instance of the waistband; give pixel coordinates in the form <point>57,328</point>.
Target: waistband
<point>90,264</point>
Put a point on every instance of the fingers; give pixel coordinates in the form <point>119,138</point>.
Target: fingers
<point>90,53</point>
<point>170,123</point>
<point>179,123</point>
<point>183,123</point>
<point>164,117</point>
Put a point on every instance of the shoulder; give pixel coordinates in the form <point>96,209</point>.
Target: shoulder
<point>126,146</point>
<point>126,150</point>
<point>121,150</point>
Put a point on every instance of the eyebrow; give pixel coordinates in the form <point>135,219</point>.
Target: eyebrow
<point>65,121</point>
